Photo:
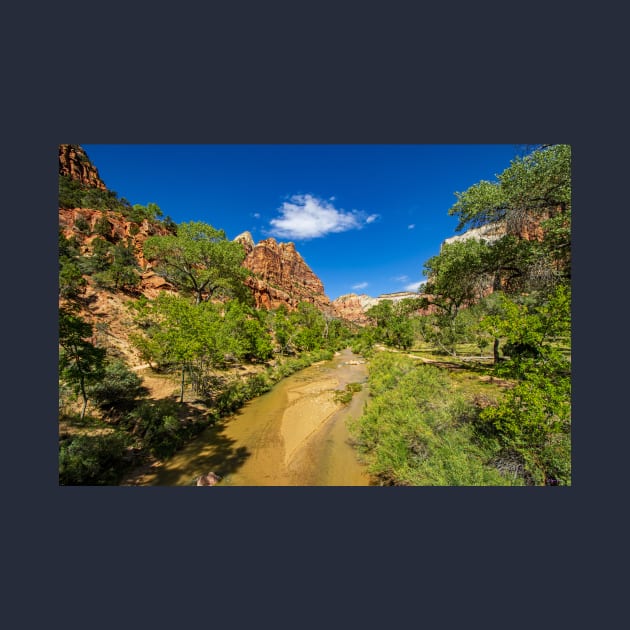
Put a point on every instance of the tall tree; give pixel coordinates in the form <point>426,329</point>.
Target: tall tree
<point>80,361</point>
<point>199,260</point>
<point>533,185</point>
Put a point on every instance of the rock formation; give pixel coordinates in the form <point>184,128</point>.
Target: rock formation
<point>74,163</point>
<point>280,275</point>
<point>352,307</point>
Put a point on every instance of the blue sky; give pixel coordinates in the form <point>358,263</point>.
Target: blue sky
<point>364,217</point>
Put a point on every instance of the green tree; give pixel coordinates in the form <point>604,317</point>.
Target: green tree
<point>284,330</point>
<point>458,275</point>
<point>532,185</point>
<point>121,270</point>
<point>199,260</point>
<point>103,227</point>
<point>173,333</point>
<point>80,362</point>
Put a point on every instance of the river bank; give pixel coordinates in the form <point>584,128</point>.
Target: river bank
<point>294,434</point>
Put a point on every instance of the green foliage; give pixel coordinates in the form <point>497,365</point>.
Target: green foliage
<point>344,396</point>
<point>82,225</point>
<point>80,362</point>
<point>200,261</point>
<point>393,324</point>
<point>118,389</point>
<point>156,423</point>
<point>415,430</point>
<point>139,213</point>
<point>534,421</point>
<point>532,332</point>
<point>103,227</point>
<point>71,281</point>
<point>119,268</point>
<point>457,276</point>
<point>72,194</point>
<point>535,182</point>
<point>93,460</point>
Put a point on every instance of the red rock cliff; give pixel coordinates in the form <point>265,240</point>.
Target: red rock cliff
<point>74,163</point>
<point>281,276</point>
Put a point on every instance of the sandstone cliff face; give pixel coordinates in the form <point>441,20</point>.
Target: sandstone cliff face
<point>121,230</point>
<point>353,307</point>
<point>280,275</point>
<point>74,163</point>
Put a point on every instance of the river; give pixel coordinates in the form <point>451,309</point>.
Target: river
<point>294,435</point>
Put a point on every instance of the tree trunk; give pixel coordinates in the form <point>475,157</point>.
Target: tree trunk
<point>181,398</point>
<point>495,350</point>
<point>85,398</point>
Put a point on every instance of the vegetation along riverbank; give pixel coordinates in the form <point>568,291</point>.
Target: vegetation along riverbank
<point>166,329</point>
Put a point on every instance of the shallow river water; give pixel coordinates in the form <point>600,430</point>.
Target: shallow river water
<point>294,435</point>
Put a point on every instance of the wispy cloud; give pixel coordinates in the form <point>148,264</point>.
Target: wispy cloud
<point>360,285</point>
<point>307,216</point>
<point>401,278</point>
<point>256,215</point>
<point>411,226</point>
<point>414,286</point>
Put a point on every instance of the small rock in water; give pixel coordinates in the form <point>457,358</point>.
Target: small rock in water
<point>208,480</point>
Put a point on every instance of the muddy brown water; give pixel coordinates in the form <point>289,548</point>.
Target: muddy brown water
<point>294,435</point>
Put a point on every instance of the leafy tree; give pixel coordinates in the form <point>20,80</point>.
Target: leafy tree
<point>310,325</point>
<point>533,184</point>
<point>103,227</point>
<point>394,326</point>
<point>140,213</point>
<point>243,327</point>
<point>82,225</point>
<point>284,330</point>
<point>199,260</point>
<point>122,268</point>
<point>172,333</point>
<point>71,281</point>
<point>532,334</point>
<point>100,259</point>
<point>458,275</point>
<point>80,362</point>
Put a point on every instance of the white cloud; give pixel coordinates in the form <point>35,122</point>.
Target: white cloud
<point>306,216</point>
<point>401,278</point>
<point>256,215</point>
<point>360,285</point>
<point>411,226</point>
<point>414,286</point>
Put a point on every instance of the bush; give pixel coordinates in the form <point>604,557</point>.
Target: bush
<point>103,227</point>
<point>158,426</point>
<point>118,389</point>
<point>93,460</point>
<point>415,430</point>
<point>82,225</point>
<point>534,421</point>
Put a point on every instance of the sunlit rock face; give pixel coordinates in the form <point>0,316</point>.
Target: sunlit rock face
<point>280,275</point>
<point>74,163</point>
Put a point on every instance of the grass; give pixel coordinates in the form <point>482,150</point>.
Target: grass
<point>416,428</point>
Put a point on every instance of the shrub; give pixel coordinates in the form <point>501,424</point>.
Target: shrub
<point>82,225</point>
<point>93,460</point>
<point>158,426</point>
<point>119,388</point>
<point>416,430</point>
